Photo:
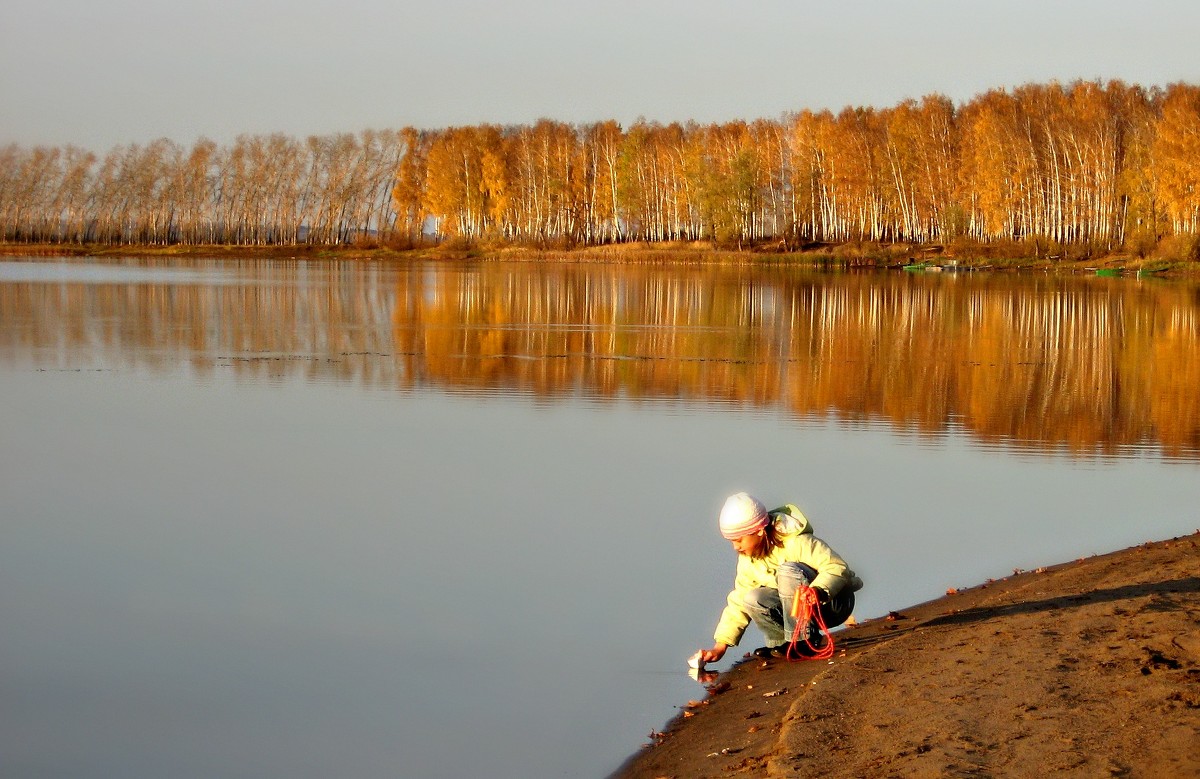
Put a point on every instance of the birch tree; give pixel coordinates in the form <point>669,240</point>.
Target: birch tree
<point>408,191</point>
<point>1177,158</point>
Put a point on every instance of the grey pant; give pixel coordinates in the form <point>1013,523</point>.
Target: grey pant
<point>771,607</point>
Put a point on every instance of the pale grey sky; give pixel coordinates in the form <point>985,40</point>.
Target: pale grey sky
<point>97,73</point>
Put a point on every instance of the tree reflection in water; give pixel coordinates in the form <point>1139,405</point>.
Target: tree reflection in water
<point>1091,366</point>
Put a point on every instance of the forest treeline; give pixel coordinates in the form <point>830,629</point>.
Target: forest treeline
<point>260,191</point>
<point>1103,166</point>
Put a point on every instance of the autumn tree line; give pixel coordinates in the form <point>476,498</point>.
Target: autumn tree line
<point>1103,166</point>
<point>261,190</point>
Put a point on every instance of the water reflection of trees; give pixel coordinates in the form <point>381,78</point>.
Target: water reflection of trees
<point>1083,365</point>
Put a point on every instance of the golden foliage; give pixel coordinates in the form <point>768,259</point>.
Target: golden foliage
<point>1087,165</point>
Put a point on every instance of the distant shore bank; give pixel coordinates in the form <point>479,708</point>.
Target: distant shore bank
<point>917,258</point>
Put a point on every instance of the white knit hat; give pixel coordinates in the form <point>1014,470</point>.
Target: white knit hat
<point>741,516</point>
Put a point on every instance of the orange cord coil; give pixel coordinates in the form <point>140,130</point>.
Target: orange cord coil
<point>806,608</point>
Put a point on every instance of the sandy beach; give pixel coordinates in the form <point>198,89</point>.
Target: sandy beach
<point>1087,668</point>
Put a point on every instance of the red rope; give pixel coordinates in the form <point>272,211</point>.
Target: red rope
<point>806,608</point>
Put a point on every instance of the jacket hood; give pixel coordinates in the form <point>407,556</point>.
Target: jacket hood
<point>789,521</point>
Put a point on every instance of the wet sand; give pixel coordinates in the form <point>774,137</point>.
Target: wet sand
<point>1088,668</point>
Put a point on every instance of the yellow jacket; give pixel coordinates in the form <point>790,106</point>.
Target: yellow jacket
<point>797,545</point>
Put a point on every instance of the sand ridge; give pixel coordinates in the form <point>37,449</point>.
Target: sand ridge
<point>1088,668</point>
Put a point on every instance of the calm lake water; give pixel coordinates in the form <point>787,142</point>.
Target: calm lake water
<point>308,519</point>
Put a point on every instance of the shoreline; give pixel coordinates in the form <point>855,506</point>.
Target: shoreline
<point>1085,668</point>
<point>850,256</point>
